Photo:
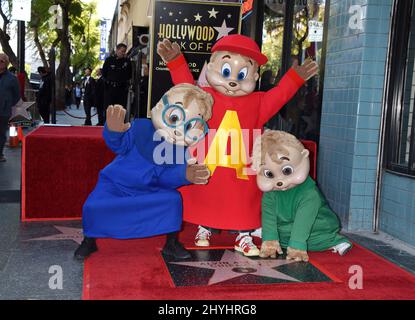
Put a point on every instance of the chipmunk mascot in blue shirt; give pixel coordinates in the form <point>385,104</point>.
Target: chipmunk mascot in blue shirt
<point>136,196</point>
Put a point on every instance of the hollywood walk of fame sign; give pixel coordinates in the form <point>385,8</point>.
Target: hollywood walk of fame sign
<point>66,233</point>
<point>195,26</point>
<point>226,267</point>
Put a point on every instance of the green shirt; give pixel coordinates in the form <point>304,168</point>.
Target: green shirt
<point>300,218</point>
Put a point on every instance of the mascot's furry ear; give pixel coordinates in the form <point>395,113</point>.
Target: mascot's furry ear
<point>257,153</point>
<point>305,153</point>
<point>212,59</point>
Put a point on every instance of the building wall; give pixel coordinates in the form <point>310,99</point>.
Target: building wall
<point>352,105</point>
<point>397,216</point>
<point>131,13</point>
<point>397,212</point>
<point>112,38</point>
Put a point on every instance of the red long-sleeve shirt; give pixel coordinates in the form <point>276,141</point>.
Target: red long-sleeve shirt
<point>228,202</point>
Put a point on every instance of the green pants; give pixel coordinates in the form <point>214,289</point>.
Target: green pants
<point>317,241</point>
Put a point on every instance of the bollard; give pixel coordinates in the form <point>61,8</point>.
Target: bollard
<point>20,134</point>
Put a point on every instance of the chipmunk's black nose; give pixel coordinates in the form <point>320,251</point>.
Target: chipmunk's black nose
<point>233,84</point>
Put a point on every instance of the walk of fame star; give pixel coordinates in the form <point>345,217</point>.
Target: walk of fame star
<point>20,111</point>
<point>67,233</point>
<point>223,30</point>
<point>213,13</point>
<point>198,17</point>
<point>234,265</point>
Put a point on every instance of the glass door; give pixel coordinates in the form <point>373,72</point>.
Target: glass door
<point>283,45</point>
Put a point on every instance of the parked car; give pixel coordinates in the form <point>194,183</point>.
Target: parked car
<point>34,80</point>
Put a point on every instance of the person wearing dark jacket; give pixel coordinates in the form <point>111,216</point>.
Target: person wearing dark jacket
<point>44,95</point>
<point>117,72</point>
<point>99,97</point>
<point>88,87</point>
<point>9,96</point>
<point>77,92</point>
<point>68,96</point>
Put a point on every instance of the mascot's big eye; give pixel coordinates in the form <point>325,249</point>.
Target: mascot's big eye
<point>268,174</point>
<point>190,125</point>
<point>242,74</point>
<point>287,170</point>
<point>175,116</point>
<point>226,70</point>
<point>194,129</point>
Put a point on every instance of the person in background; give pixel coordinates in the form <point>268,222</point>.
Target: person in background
<point>117,72</point>
<point>68,96</point>
<point>9,96</point>
<point>13,71</point>
<point>99,97</point>
<point>21,78</point>
<point>267,81</point>
<point>44,95</point>
<point>88,88</point>
<point>77,94</point>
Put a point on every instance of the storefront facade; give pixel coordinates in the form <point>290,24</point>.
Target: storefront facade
<point>366,163</point>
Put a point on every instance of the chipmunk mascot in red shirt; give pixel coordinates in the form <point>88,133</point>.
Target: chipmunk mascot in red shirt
<point>231,200</point>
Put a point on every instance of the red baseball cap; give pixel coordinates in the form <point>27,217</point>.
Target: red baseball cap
<point>243,45</point>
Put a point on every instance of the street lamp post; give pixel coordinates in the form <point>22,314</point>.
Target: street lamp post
<point>21,43</point>
<point>52,60</point>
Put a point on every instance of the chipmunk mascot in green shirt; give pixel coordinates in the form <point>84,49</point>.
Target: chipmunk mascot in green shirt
<point>295,215</point>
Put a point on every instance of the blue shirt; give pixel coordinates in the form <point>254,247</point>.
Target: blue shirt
<point>136,196</point>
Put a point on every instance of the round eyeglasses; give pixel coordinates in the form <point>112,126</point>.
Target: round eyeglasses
<point>174,117</point>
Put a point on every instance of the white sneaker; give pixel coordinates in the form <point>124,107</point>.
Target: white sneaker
<point>244,244</point>
<point>257,233</point>
<point>202,237</point>
<point>342,248</point>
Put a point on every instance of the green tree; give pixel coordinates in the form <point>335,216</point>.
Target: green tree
<point>78,23</point>
<point>273,33</point>
<point>272,39</point>
<point>85,37</point>
<point>39,28</point>
<point>5,13</point>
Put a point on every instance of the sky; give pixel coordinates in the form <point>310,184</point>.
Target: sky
<point>105,8</point>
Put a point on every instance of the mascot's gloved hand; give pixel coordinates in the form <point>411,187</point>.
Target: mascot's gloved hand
<point>115,119</point>
<point>306,71</point>
<point>168,51</point>
<point>297,255</point>
<point>197,173</point>
<point>270,248</point>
